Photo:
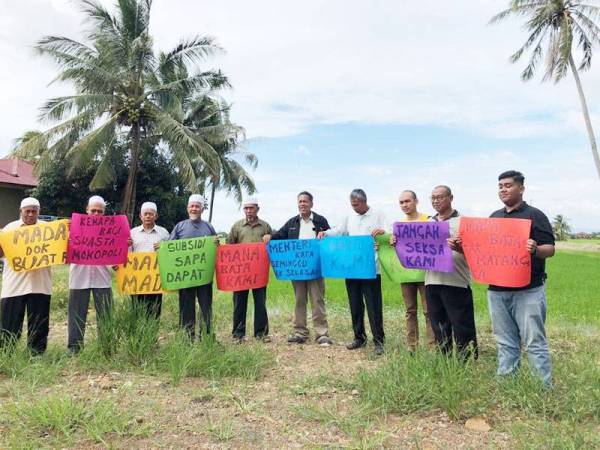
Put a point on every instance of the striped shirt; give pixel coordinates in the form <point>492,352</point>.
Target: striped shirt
<point>144,240</point>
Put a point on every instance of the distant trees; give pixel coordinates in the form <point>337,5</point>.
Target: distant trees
<point>561,227</point>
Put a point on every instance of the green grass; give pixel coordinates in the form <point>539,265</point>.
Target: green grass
<point>34,415</point>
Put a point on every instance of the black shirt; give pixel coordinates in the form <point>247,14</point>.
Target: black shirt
<point>541,232</point>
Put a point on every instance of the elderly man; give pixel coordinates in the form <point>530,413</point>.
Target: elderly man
<point>519,314</point>
<point>306,225</point>
<point>250,229</point>
<point>363,222</point>
<point>194,227</point>
<point>449,296</point>
<point>147,238</point>
<point>408,204</point>
<point>25,291</point>
<point>83,281</point>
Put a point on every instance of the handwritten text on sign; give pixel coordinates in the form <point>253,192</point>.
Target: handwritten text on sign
<point>422,245</point>
<point>348,257</point>
<point>242,266</point>
<point>140,275</point>
<point>295,259</point>
<point>390,264</point>
<point>98,240</point>
<point>36,246</point>
<point>187,263</point>
<point>496,250</point>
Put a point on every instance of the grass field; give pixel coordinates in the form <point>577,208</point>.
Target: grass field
<point>137,385</point>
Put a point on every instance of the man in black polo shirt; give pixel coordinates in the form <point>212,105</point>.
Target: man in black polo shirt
<point>518,314</point>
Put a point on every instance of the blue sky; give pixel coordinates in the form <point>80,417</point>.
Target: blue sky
<point>338,94</point>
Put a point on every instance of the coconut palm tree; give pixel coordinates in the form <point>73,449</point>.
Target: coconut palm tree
<point>122,94</point>
<point>561,227</point>
<point>557,28</point>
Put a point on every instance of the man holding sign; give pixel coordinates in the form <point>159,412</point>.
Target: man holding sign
<point>147,238</point>
<point>363,222</point>
<point>449,295</point>
<point>306,225</point>
<point>194,227</point>
<point>519,314</point>
<point>86,280</point>
<point>248,230</point>
<point>25,291</point>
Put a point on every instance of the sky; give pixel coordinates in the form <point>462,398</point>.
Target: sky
<point>343,94</point>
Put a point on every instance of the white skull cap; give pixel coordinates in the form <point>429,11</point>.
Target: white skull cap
<point>149,206</point>
<point>196,198</point>
<point>29,201</point>
<point>96,200</point>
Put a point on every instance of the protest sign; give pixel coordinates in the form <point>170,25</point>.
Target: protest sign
<point>422,245</point>
<point>37,246</point>
<point>348,257</point>
<point>139,275</point>
<point>98,240</point>
<point>241,267</point>
<point>295,259</point>
<point>390,264</point>
<point>496,250</point>
<point>187,263</point>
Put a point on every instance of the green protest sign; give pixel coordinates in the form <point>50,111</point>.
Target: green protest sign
<point>390,264</point>
<point>187,263</point>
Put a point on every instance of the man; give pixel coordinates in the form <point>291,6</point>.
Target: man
<point>363,222</point>
<point>408,203</point>
<point>250,229</point>
<point>194,227</point>
<point>23,291</point>
<point>83,281</point>
<point>519,314</point>
<point>449,297</point>
<point>147,238</point>
<point>306,225</point>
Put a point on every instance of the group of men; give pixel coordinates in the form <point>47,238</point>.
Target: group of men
<point>518,314</point>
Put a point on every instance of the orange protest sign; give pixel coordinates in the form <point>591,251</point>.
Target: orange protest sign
<point>496,250</point>
<point>242,266</point>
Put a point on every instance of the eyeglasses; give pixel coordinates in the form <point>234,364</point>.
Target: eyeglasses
<point>438,198</point>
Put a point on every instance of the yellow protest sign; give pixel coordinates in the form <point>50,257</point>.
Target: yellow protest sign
<point>139,275</point>
<point>36,246</point>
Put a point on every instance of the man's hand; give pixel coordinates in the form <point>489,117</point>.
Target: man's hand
<point>377,232</point>
<point>156,246</point>
<point>129,241</point>
<point>455,243</point>
<point>321,235</point>
<point>266,238</point>
<point>217,240</point>
<point>531,246</point>
<point>393,240</point>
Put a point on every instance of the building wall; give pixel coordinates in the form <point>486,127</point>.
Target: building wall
<point>10,200</point>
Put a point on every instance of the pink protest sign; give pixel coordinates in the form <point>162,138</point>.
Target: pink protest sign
<point>98,240</point>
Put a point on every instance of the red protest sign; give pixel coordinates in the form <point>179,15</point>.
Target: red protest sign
<point>242,266</point>
<point>496,250</point>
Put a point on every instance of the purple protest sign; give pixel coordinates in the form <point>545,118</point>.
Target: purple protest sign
<point>422,245</point>
<point>98,240</point>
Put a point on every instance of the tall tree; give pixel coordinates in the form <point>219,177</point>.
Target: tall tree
<point>561,227</point>
<point>121,95</point>
<point>555,25</point>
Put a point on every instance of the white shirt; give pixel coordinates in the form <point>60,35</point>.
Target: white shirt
<point>144,240</point>
<point>89,277</point>
<point>356,224</point>
<point>307,228</point>
<point>14,284</point>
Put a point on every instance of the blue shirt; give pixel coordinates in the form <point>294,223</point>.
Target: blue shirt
<point>191,229</point>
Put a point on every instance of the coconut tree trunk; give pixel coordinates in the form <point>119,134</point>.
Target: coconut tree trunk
<point>586,115</point>
<point>129,195</point>
<point>213,189</point>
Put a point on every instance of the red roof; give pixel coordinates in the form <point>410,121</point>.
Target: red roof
<point>18,172</point>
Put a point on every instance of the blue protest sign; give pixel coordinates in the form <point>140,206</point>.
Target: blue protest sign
<point>295,259</point>
<point>348,257</point>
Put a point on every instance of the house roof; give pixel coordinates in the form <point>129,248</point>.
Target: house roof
<point>17,172</point>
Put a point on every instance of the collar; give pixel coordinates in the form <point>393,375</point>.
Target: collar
<point>152,230</point>
<point>251,225</point>
<point>310,218</point>
<point>365,214</point>
<point>454,214</point>
<point>521,207</point>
